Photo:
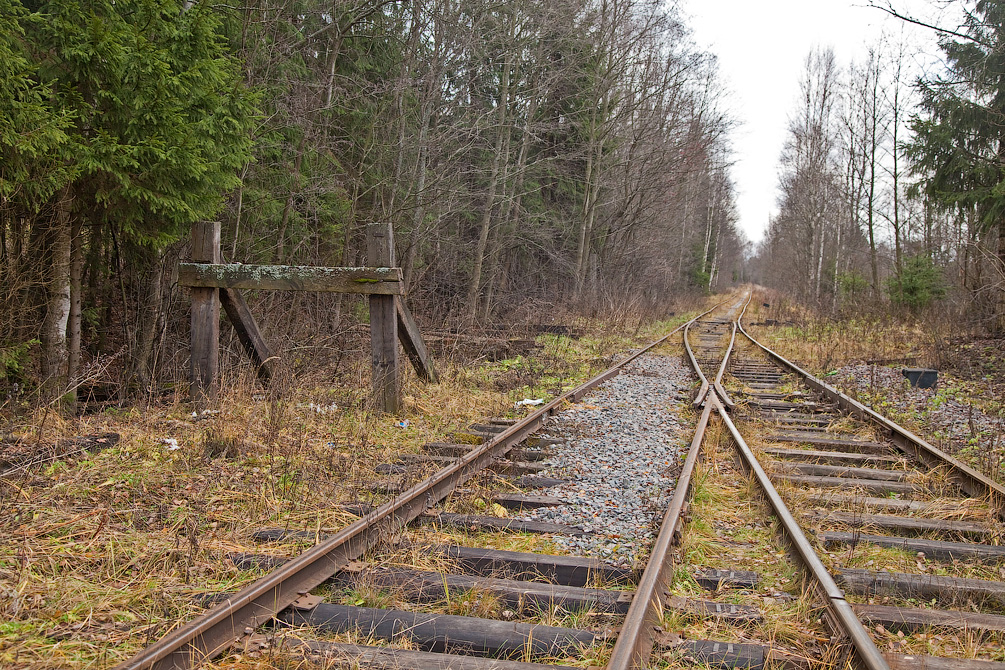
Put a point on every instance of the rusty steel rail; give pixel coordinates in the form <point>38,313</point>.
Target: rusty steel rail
<point>700,398</point>
<point>717,382</point>
<point>231,621</point>
<point>844,616</point>
<point>973,482</point>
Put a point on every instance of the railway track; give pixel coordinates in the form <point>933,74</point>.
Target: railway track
<point>284,594</point>
<point>911,535</point>
<point>474,607</point>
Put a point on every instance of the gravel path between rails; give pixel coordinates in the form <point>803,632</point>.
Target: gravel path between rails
<point>626,441</point>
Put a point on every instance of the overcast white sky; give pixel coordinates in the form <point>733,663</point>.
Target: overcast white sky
<point>761,46</point>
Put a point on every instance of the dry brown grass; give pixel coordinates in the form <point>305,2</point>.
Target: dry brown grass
<point>820,342</point>
<point>104,553</point>
<point>732,529</point>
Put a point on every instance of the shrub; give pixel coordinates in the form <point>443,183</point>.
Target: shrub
<point>918,284</point>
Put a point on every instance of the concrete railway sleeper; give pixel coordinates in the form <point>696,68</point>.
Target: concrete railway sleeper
<point>418,582</point>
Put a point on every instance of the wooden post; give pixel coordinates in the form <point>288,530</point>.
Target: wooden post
<point>383,322</point>
<point>247,332</point>
<point>413,344</point>
<point>204,351</point>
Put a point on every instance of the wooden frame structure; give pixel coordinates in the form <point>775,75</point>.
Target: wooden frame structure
<point>215,284</point>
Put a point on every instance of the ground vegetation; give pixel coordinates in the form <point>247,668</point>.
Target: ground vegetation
<point>102,552</point>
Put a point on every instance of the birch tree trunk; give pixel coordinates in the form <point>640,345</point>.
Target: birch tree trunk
<point>76,307</point>
<point>872,120</point>
<point>509,217</point>
<point>999,280</point>
<point>898,253</point>
<point>57,304</point>
<point>592,184</point>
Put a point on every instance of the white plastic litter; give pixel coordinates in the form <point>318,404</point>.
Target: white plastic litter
<point>170,443</point>
<point>402,424</point>
<point>530,402</point>
<point>319,409</point>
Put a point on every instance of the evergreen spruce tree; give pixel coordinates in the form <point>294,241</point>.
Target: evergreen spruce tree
<point>160,117</point>
<point>959,145</point>
<point>154,125</point>
<point>31,129</point>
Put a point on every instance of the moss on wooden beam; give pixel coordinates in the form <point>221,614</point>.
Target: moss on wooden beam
<point>373,281</point>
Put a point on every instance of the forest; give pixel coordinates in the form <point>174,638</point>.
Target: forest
<point>567,152</point>
<point>531,157</point>
<point>890,182</point>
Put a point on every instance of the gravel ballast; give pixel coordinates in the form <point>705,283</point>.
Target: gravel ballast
<point>625,442</point>
<point>954,422</point>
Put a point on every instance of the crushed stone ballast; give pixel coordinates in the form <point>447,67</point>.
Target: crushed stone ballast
<point>625,441</point>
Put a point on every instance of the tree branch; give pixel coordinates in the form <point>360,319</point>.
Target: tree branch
<point>888,8</point>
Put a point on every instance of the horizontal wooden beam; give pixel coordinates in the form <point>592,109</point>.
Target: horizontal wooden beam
<point>951,590</point>
<point>916,618</point>
<point>566,570</point>
<point>933,549</point>
<point>373,281</point>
